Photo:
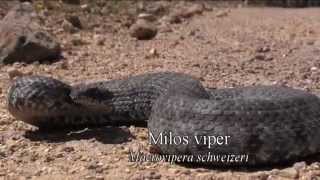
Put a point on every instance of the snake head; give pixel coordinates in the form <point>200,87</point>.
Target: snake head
<point>93,97</point>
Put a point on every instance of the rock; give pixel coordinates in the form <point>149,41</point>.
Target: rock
<point>152,175</point>
<point>222,14</point>
<point>174,18</point>
<point>74,2</point>
<point>147,17</point>
<point>290,173</point>
<point>152,53</point>
<point>185,172</point>
<point>68,27</point>
<point>143,30</point>
<point>21,38</point>
<point>99,40</point>
<point>127,170</point>
<point>192,10</point>
<point>260,57</point>
<point>300,165</point>
<point>75,21</point>
<point>13,72</point>
<point>313,68</point>
<point>156,8</point>
<point>205,176</point>
<point>164,28</point>
<point>259,175</point>
<point>263,49</point>
<point>312,175</point>
<point>68,149</point>
<point>85,7</point>
<point>77,40</point>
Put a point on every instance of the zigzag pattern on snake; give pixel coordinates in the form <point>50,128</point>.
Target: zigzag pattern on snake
<point>271,124</point>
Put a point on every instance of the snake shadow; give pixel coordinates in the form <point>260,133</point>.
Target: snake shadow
<point>105,135</point>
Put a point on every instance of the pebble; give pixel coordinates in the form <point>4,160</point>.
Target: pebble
<point>174,171</point>
<point>85,7</point>
<point>153,53</point>
<point>127,170</point>
<point>193,10</point>
<point>75,21</point>
<point>300,165</point>
<point>290,173</point>
<point>147,17</point>
<point>313,68</point>
<point>263,49</point>
<point>68,149</point>
<point>13,72</point>
<point>260,57</point>
<point>68,27</point>
<point>259,175</point>
<point>99,40</point>
<point>143,30</point>
<point>222,14</point>
<point>73,2</point>
<point>152,175</point>
<point>77,41</point>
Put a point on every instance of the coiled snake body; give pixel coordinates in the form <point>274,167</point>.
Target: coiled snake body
<point>270,124</point>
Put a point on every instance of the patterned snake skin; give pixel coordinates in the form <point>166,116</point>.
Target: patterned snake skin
<point>270,124</point>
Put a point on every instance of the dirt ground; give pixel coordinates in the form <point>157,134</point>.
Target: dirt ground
<point>224,47</point>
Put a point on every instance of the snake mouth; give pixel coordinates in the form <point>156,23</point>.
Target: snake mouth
<point>93,98</point>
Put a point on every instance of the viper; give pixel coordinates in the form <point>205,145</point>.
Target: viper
<point>270,124</point>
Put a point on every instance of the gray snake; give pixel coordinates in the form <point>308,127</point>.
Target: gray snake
<point>271,124</point>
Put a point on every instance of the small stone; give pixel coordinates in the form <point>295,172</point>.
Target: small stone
<point>260,57</point>
<point>157,8</point>
<point>147,17</point>
<point>68,27</point>
<point>77,41</point>
<point>153,52</point>
<point>300,165</point>
<point>174,171</point>
<point>100,40</point>
<point>164,28</point>
<point>173,18</point>
<point>314,166</point>
<point>85,7</point>
<point>222,14</point>
<point>263,49</point>
<point>186,172</point>
<point>312,175</point>
<point>89,177</point>
<point>73,2</point>
<point>127,170</point>
<point>13,72</point>
<point>99,177</point>
<point>23,40</point>
<point>290,173</point>
<point>93,165</point>
<point>192,10</point>
<point>259,175</point>
<point>68,149</point>
<point>313,68</point>
<point>205,176</point>
<point>152,175</point>
<point>75,21</point>
<point>143,30</point>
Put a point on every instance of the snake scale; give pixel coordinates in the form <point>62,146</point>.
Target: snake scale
<point>272,124</point>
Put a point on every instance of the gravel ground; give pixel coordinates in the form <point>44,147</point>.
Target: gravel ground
<point>223,47</point>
